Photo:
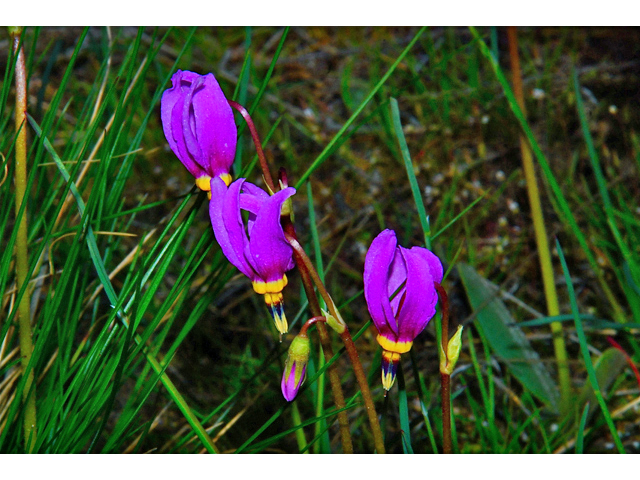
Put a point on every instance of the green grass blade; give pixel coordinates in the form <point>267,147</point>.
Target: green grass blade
<point>565,209</point>
<point>584,347</point>
<point>109,290</point>
<point>408,165</point>
<point>580,437</point>
<point>403,412</point>
<point>324,444</point>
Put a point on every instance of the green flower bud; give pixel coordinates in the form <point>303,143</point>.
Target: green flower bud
<point>337,324</point>
<point>448,362</point>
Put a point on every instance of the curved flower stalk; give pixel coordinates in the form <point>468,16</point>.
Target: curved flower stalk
<point>264,255</point>
<point>199,125</point>
<point>401,296</point>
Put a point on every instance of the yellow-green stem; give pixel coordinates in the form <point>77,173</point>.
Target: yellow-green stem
<point>22,254</point>
<point>542,243</point>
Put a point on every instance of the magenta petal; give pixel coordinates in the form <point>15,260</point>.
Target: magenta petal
<point>199,125</point>
<point>376,271</point>
<point>435,265</point>
<point>172,105</point>
<point>419,303</point>
<point>264,255</point>
<point>227,223</point>
<point>188,121</point>
<point>251,200</point>
<point>288,384</point>
<point>211,119</point>
<point>397,281</point>
<point>270,253</point>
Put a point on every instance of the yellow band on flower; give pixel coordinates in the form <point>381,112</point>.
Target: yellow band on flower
<point>204,183</point>
<point>226,178</point>
<point>391,357</point>
<point>394,347</point>
<point>275,286</point>
<point>273,298</point>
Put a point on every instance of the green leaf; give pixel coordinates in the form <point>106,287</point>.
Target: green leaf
<point>608,366</point>
<point>506,339</point>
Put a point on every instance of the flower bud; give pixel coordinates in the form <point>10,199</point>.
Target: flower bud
<point>337,324</point>
<point>295,367</point>
<point>453,352</point>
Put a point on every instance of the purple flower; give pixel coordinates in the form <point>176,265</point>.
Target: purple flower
<point>199,126</point>
<point>264,255</point>
<point>295,367</point>
<point>400,294</point>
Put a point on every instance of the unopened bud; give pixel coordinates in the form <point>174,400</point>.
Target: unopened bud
<point>295,367</point>
<point>448,362</point>
<point>15,31</point>
<point>337,324</point>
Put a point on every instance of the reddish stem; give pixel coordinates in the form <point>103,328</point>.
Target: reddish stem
<point>445,378</point>
<point>346,339</point>
<point>325,341</point>
<point>311,321</point>
<point>256,140</point>
<point>445,381</point>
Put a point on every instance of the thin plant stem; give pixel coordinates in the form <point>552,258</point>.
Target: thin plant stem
<point>562,204</point>
<point>314,305</point>
<point>303,263</point>
<point>445,378</point>
<point>361,377</point>
<point>542,242</point>
<point>22,257</point>
<point>350,347</point>
<point>256,140</point>
<point>312,321</point>
<point>325,342</point>
<point>445,392</point>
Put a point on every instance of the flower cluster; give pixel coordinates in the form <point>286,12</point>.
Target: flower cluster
<point>399,283</point>
<point>199,125</point>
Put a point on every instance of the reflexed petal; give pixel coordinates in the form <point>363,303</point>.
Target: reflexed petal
<point>213,125</point>
<point>418,306</point>
<point>199,125</point>
<point>251,200</point>
<point>377,263</point>
<point>435,265</point>
<point>189,127</point>
<point>171,113</point>
<point>397,281</point>
<point>270,253</point>
<point>227,223</point>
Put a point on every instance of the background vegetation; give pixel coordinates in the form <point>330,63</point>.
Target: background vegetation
<point>129,290</point>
